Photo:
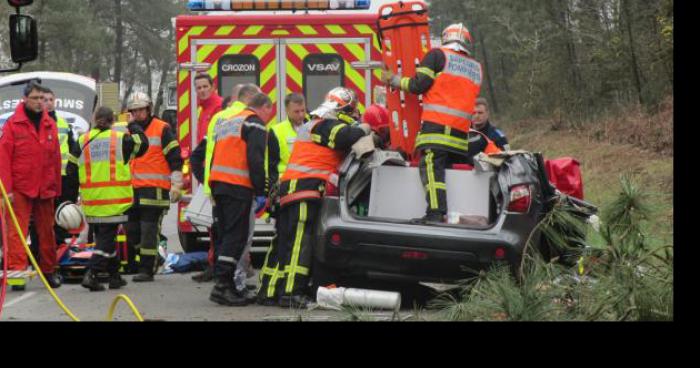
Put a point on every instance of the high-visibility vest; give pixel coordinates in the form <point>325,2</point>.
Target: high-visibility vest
<point>286,137</point>
<point>452,98</point>
<point>105,180</point>
<point>63,132</point>
<point>230,162</point>
<point>309,159</point>
<point>235,109</point>
<point>121,126</point>
<point>151,169</point>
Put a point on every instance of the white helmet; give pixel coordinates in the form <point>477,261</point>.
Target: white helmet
<point>339,99</point>
<point>69,216</point>
<point>138,100</point>
<point>457,33</point>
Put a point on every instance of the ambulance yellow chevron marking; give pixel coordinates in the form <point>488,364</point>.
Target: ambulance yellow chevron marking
<point>185,40</point>
<point>307,30</point>
<point>253,30</point>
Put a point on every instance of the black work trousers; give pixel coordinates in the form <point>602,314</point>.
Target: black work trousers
<point>143,236</point>
<point>297,223</point>
<point>271,274</point>
<point>232,215</point>
<point>105,256</point>
<point>433,163</point>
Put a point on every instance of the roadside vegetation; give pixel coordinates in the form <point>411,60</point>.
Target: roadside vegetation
<point>626,273</point>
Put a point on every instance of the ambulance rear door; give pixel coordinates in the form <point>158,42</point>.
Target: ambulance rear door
<point>235,61</point>
<point>314,66</point>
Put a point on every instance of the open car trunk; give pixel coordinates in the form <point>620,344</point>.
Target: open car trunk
<point>384,188</point>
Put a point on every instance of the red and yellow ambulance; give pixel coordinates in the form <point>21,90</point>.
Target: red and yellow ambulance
<point>282,52</point>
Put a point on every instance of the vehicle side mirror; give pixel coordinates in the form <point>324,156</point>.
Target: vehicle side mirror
<point>24,42</point>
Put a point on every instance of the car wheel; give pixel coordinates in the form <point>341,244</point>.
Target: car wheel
<point>190,243</point>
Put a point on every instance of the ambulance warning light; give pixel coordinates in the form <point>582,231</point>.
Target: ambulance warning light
<point>236,5</point>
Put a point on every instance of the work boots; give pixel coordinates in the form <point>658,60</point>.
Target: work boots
<point>116,281</point>
<point>146,269</point>
<point>53,280</point>
<point>205,276</point>
<point>225,293</point>
<point>90,281</point>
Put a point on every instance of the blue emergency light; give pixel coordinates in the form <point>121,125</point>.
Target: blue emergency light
<point>235,5</point>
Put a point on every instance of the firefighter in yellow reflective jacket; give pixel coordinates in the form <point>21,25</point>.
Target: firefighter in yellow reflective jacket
<point>450,81</point>
<point>320,148</point>
<point>106,190</point>
<point>157,181</point>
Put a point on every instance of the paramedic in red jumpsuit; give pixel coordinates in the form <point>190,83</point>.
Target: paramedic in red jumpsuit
<point>30,169</point>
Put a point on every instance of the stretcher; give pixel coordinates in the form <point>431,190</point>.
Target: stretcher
<point>404,34</point>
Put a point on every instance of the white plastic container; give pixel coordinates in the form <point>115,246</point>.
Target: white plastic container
<point>335,298</point>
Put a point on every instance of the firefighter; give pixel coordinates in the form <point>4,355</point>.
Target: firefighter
<point>321,145</point>
<point>377,116</point>
<point>106,190</point>
<point>209,103</point>
<point>201,163</point>
<point>157,181</point>
<point>237,181</point>
<point>280,142</point>
<point>450,81</point>
<point>69,183</point>
<point>30,170</point>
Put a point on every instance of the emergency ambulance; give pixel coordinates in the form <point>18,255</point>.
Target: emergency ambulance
<point>287,49</point>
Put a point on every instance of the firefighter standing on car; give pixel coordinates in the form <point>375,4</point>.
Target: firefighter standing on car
<point>157,181</point>
<point>237,180</point>
<point>321,145</point>
<point>30,170</point>
<point>106,191</point>
<point>450,81</point>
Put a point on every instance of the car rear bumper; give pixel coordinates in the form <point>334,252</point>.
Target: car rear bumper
<point>415,252</point>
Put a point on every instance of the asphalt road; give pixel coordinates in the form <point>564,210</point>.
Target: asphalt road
<point>173,297</point>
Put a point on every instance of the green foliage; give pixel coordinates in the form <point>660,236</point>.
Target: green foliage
<point>571,58</point>
<point>82,37</point>
<point>621,280</point>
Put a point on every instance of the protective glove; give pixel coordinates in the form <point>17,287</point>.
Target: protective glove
<point>175,186</point>
<point>260,202</point>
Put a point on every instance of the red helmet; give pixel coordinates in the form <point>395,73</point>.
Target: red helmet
<point>377,116</point>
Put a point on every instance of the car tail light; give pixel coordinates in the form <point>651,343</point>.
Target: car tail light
<point>336,239</point>
<point>332,186</point>
<point>500,253</point>
<point>414,255</point>
<point>520,199</point>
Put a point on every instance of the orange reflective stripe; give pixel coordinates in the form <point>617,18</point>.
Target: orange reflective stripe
<point>113,158</point>
<point>306,194</point>
<point>106,202</point>
<point>106,184</point>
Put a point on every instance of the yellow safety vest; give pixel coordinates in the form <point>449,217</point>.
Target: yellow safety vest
<point>286,136</point>
<point>228,113</point>
<point>121,126</point>
<point>63,132</point>
<point>105,180</point>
